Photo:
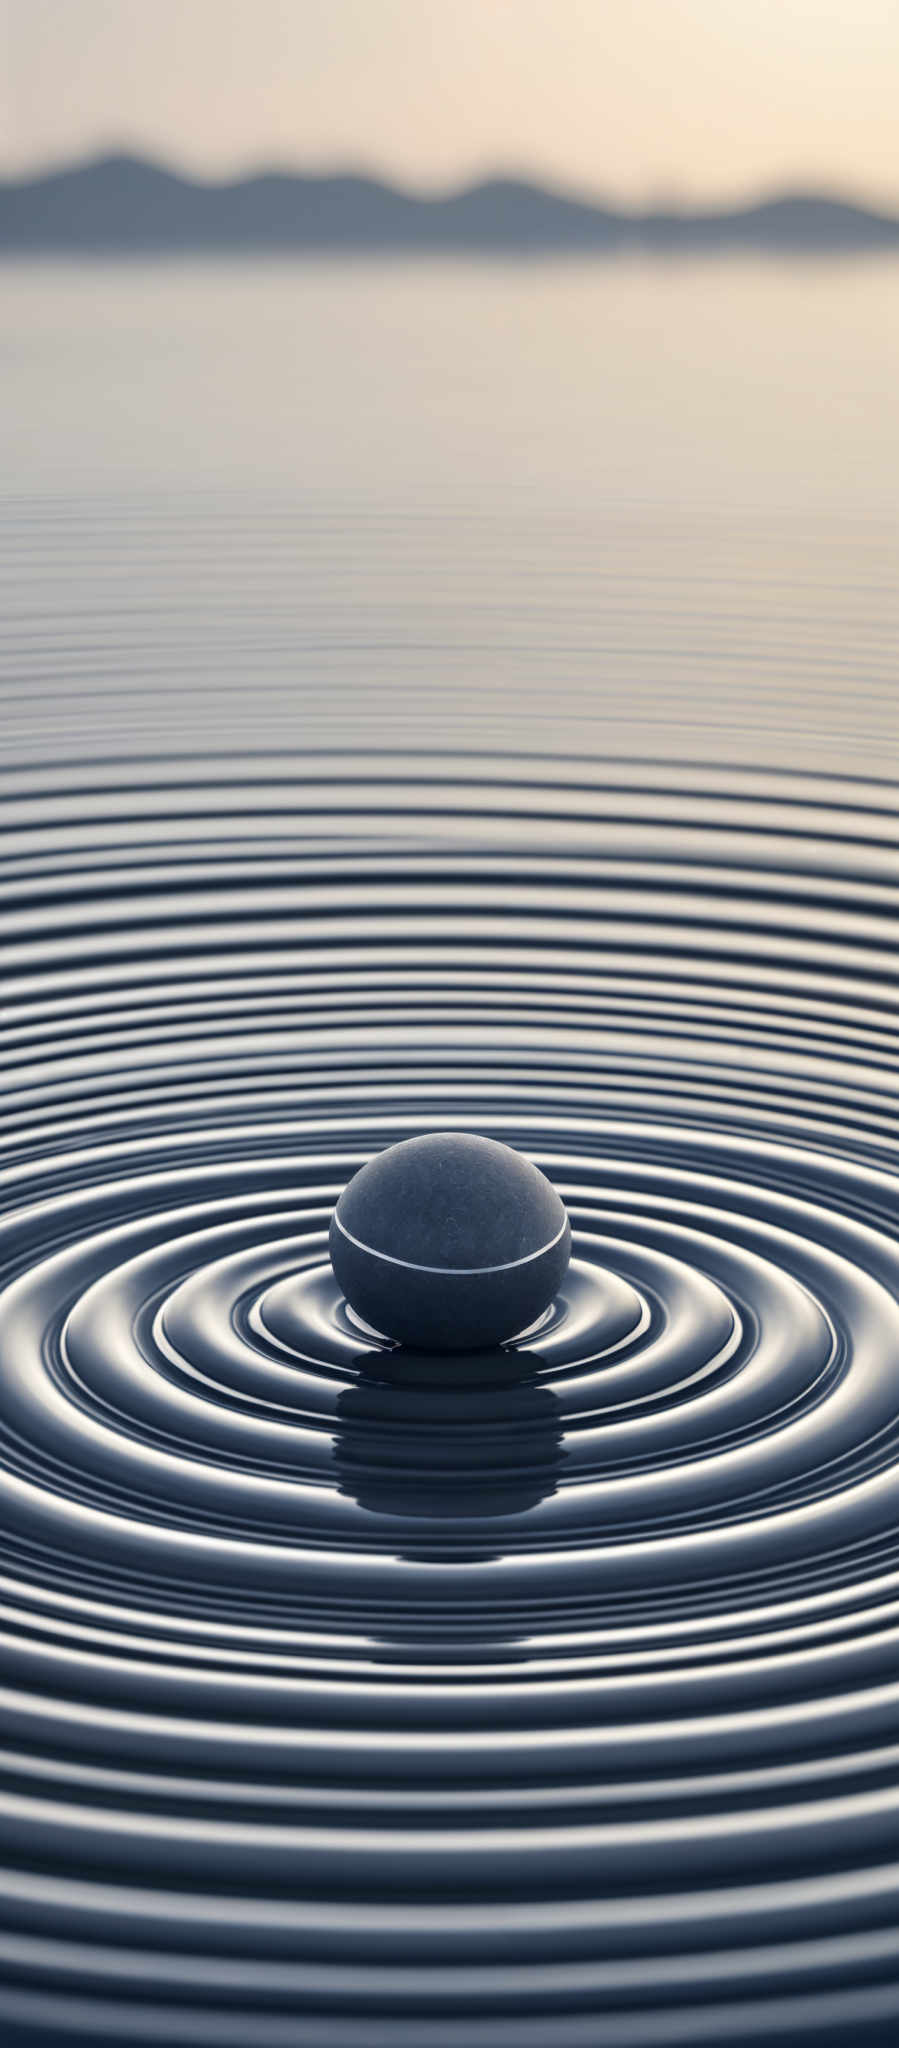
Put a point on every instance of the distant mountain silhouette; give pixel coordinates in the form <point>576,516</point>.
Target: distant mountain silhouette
<point>123,204</point>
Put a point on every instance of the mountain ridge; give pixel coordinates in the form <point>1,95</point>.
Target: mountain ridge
<point>120,204</point>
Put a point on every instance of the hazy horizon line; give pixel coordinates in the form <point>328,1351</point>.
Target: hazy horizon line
<point>676,200</point>
<point>125,203</point>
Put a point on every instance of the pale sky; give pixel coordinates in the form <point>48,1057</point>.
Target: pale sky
<point>637,98</point>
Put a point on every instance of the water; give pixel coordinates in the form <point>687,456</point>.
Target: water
<point>443,697</point>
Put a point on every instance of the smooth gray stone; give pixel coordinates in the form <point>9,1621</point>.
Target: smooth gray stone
<point>449,1242</point>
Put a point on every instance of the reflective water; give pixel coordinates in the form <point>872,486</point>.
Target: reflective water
<point>432,698</point>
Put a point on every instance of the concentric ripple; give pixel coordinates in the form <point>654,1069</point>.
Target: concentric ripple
<point>545,1696</point>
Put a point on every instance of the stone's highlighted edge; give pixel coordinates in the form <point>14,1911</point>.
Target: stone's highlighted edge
<point>410,1266</point>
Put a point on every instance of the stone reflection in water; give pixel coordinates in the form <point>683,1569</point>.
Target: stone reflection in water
<point>466,1440</point>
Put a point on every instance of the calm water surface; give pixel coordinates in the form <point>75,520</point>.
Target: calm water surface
<point>444,697</point>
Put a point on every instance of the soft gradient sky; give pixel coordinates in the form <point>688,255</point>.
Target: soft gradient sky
<point>640,98</point>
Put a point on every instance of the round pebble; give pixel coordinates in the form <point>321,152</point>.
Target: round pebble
<point>449,1242</point>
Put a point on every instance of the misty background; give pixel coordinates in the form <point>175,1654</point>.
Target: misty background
<point>642,505</point>
<point>660,100</point>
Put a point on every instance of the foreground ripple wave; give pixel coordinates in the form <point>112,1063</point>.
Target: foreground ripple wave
<point>551,1695</point>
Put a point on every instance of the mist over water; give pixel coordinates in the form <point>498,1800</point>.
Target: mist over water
<point>428,698</point>
<point>610,508</point>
